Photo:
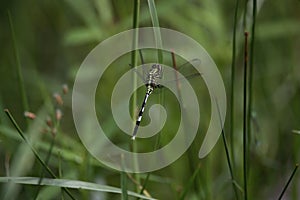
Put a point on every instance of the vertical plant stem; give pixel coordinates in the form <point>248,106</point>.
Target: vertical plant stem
<point>185,123</point>
<point>18,66</point>
<point>229,165</point>
<point>124,180</point>
<point>233,81</point>
<point>245,146</point>
<point>155,23</point>
<point>136,13</point>
<point>227,154</point>
<point>289,181</point>
<point>245,15</point>
<point>136,10</point>
<point>251,61</point>
<point>124,186</point>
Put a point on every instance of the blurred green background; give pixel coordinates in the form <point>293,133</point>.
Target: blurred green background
<point>54,37</point>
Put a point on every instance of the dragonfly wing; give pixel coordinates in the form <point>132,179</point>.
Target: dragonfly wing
<point>187,69</point>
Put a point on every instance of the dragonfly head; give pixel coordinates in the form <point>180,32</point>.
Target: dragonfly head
<point>157,66</point>
<point>156,70</point>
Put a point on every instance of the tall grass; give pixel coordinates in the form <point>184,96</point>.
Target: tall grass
<point>254,157</point>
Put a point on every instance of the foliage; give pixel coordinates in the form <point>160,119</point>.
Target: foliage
<point>52,38</point>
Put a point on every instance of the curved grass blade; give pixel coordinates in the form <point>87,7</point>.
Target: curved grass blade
<point>66,183</point>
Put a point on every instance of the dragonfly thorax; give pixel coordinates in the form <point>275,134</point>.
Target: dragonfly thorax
<point>154,73</point>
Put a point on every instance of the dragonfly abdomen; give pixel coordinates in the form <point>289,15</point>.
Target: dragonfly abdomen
<point>138,121</point>
<point>151,83</point>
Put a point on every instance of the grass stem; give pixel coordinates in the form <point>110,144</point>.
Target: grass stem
<point>34,151</point>
<point>233,81</point>
<point>134,53</point>
<point>245,96</point>
<point>157,36</point>
<point>250,78</point>
<point>18,66</point>
<point>289,181</point>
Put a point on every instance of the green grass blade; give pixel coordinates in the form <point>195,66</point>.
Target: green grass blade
<point>288,182</point>
<point>157,35</point>
<point>296,131</point>
<point>134,54</point>
<point>229,163</point>
<point>33,150</point>
<point>18,66</point>
<point>250,92</point>
<point>66,183</point>
<point>233,80</point>
<point>124,186</point>
<point>124,181</point>
<point>250,78</point>
<point>245,96</point>
<point>46,162</point>
<point>189,184</point>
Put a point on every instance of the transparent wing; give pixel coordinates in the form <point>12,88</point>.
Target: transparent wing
<point>187,69</point>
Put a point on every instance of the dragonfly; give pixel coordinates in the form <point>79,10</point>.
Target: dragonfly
<point>152,82</point>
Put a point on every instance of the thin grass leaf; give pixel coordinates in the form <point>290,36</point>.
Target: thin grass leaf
<point>104,9</point>
<point>288,182</point>
<point>124,186</point>
<point>21,84</point>
<point>157,35</point>
<point>33,150</point>
<point>229,163</point>
<point>46,162</point>
<point>135,25</point>
<point>83,35</point>
<point>238,186</point>
<point>232,84</point>
<point>124,181</point>
<point>189,184</point>
<point>66,183</point>
<point>250,80</point>
<point>245,96</point>
<point>296,131</point>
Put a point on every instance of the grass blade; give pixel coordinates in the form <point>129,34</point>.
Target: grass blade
<point>227,154</point>
<point>289,181</point>
<point>46,162</point>
<point>136,14</point>
<point>66,183</point>
<point>296,131</point>
<point>157,35</point>
<point>233,80</point>
<point>250,78</point>
<point>19,67</point>
<point>33,150</point>
<point>245,137</point>
<point>189,184</point>
<point>124,186</point>
<point>124,181</point>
